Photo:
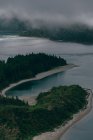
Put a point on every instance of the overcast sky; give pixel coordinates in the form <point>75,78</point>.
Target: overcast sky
<point>50,10</point>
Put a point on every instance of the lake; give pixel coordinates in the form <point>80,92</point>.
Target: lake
<point>81,55</point>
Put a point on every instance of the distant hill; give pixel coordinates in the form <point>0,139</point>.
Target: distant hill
<point>77,33</point>
<point>12,26</point>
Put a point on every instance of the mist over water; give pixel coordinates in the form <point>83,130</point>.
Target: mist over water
<point>53,14</point>
<point>14,45</point>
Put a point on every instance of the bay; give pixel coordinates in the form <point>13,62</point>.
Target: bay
<point>81,55</point>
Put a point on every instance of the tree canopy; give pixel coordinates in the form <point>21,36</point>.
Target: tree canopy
<point>19,121</point>
<point>26,66</point>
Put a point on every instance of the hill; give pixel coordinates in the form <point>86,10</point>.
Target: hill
<point>76,33</point>
<point>19,121</point>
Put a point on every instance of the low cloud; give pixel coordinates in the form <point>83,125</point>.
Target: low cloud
<point>50,11</point>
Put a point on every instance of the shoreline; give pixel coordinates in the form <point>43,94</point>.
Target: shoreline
<point>39,77</point>
<point>59,132</point>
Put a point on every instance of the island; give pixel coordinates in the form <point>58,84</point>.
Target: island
<point>19,121</point>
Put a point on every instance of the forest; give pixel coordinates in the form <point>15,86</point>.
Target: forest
<point>19,121</point>
<point>26,66</point>
<point>75,33</point>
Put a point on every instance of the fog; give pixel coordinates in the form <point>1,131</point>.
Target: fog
<point>49,11</point>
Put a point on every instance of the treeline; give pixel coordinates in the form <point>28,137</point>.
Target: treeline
<point>12,27</point>
<point>76,34</point>
<point>22,67</point>
<point>53,109</point>
<point>11,101</point>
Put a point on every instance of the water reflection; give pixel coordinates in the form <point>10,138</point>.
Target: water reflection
<point>33,88</point>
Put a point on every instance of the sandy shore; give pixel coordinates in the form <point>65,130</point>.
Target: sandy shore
<point>39,76</point>
<point>57,134</point>
<point>30,99</point>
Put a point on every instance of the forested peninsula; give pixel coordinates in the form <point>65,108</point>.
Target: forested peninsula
<point>26,66</point>
<point>19,121</point>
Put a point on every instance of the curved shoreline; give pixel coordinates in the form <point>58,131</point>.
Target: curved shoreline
<point>39,77</point>
<point>56,135</point>
<point>59,132</point>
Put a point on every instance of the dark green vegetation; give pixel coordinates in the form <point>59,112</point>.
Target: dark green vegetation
<point>74,33</point>
<point>11,27</point>
<point>18,121</point>
<point>79,33</point>
<point>22,67</point>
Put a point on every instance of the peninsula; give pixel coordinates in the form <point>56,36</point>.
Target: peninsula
<point>19,121</point>
<point>23,67</point>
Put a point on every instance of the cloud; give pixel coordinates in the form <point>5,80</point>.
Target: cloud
<point>56,11</point>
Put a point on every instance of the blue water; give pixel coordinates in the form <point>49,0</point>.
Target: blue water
<point>80,55</point>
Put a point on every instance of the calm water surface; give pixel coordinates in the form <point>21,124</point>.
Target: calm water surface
<point>80,55</point>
